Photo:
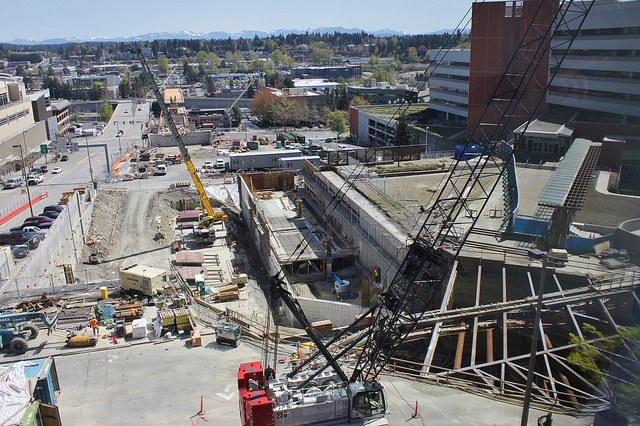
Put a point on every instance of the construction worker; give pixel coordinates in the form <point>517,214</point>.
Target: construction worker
<point>93,322</point>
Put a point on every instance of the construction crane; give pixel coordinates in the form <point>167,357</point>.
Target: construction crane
<point>210,216</point>
<point>322,393</point>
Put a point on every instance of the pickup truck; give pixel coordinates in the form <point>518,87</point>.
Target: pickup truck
<point>34,179</point>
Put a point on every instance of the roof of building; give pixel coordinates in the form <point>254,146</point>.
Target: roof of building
<point>540,127</point>
<point>60,105</point>
<point>391,111</point>
<point>144,270</point>
<point>311,82</point>
<point>173,95</point>
<point>569,184</point>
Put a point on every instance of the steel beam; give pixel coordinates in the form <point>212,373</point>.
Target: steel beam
<point>431,350</point>
<point>474,336</point>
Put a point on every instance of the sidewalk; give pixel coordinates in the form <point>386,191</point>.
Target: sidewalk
<point>602,185</point>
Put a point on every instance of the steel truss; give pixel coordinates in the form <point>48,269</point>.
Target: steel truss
<point>468,187</point>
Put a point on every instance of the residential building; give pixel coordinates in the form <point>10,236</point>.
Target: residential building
<point>449,83</point>
<point>17,124</point>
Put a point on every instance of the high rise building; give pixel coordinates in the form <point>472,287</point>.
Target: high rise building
<point>449,83</point>
<point>498,31</point>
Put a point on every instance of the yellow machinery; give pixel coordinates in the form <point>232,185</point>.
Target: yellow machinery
<point>210,216</point>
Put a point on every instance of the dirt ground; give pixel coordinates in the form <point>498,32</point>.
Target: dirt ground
<point>132,226</point>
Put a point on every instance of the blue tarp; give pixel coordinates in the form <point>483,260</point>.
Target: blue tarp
<point>465,152</point>
<point>531,226</point>
<point>577,244</point>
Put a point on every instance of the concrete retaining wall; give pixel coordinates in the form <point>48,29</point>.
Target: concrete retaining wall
<point>191,138</point>
<point>62,245</point>
<point>339,313</point>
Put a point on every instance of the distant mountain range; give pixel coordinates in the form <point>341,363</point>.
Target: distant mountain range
<point>213,35</point>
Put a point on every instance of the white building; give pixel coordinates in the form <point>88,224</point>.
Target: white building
<point>18,125</point>
<point>601,73</point>
<point>315,84</point>
<point>449,83</point>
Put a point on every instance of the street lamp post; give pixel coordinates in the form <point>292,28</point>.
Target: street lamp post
<point>426,140</point>
<point>534,345</point>
<point>24,174</point>
<point>86,140</point>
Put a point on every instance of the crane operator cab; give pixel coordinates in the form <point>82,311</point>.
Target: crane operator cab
<point>367,400</point>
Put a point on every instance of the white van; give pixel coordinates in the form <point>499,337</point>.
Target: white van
<point>14,182</point>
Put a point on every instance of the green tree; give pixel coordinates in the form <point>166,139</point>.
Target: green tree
<point>337,122</point>
<point>288,82</point>
<point>163,64</point>
<point>412,55</point>
<point>358,101</point>
<point>97,91</point>
<point>106,111</point>
<point>341,95</point>
<point>321,56</point>
<point>404,135</point>
<point>125,88</point>
<point>236,115</point>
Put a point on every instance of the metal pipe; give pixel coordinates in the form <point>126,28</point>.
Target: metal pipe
<point>534,345</point>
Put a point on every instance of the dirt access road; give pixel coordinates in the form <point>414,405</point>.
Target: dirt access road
<point>125,229</point>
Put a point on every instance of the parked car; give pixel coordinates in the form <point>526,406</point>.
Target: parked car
<point>44,168</point>
<point>56,170</point>
<point>54,207</point>
<point>35,230</point>
<point>64,158</point>
<point>41,225</point>
<point>20,251</point>
<point>13,182</point>
<point>15,238</point>
<point>28,228</point>
<point>38,219</point>
<point>31,235</point>
<point>50,213</point>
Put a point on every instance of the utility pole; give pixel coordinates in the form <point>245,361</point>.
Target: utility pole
<point>24,174</point>
<point>86,140</point>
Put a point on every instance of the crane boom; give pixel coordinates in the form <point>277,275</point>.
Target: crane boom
<point>211,215</point>
<point>467,190</point>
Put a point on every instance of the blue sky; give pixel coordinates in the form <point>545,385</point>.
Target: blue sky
<point>113,18</point>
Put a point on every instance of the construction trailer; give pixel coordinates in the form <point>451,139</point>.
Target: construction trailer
<point>297,163</point>
<point>143,279</point>
<point>260,159</point>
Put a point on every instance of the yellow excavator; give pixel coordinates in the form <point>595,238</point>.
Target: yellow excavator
<point>209,216</point>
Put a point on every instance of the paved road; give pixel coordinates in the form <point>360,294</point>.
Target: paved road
<point>128,116</point>
<point>162,384</point>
